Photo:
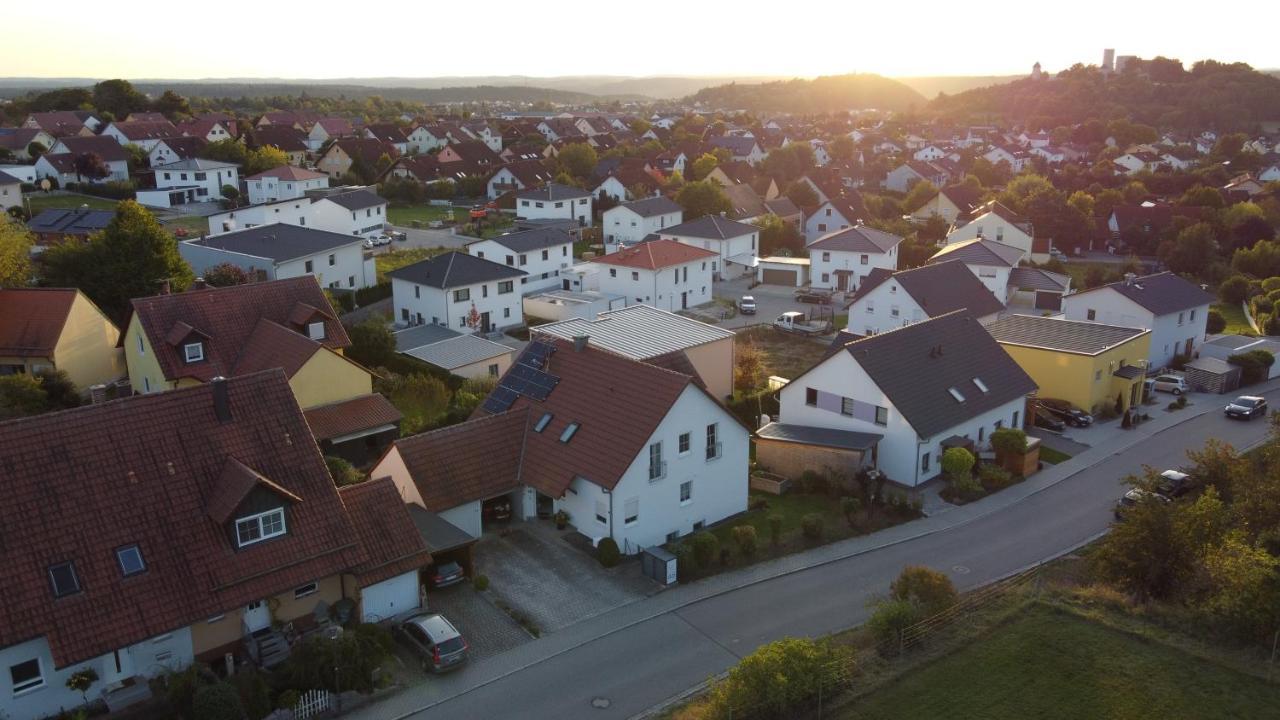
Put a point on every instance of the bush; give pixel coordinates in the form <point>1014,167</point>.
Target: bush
<point>1269,285</point>
<point>957,463</point>
<point>607,552</point>
<point>219,701</point>
<point>1234,289</point>
<point>255,693</point>
<point>355,655</point>
<point>967,487</point>
<point>813,483</point>
<point>775,529</point>
<point>1009,441</point>
<point>744,536</point>
<point>684,556</point>
<point>812,526</point>
<point>705,548</point>
<point>1262,305</point>
<point>779,679</point>
<point>1254,365</point>
<point>994,477</point>
<point>373,293</point>
<point>850,507</point>
<point>480,583</point>
<point>1215,322</point>
<point>342,472</point>
<point>929,590</point>
<point>288,699</point>
<point>890,618</point>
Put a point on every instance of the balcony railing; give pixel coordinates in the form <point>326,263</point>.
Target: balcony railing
<point>657,470</point>
<point>715,451</point>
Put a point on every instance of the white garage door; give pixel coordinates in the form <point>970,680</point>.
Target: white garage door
<point>390,597</point>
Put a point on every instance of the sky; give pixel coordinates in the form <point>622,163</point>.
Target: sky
<point>801,38</point>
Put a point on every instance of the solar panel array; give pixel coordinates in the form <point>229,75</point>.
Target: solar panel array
<point>527,377</point>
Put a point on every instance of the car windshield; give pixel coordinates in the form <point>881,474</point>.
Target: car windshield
<point>1245,402</point>
<point>453,644</point>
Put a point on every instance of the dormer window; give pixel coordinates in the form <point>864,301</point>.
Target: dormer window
<point>193,352</point>
<point>259,527</point>
<point>130,559</point>
<point>64,580</point>
<point>315,330</point>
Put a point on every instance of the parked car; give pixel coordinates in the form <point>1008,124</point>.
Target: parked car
<point>813,296</point>
<point>1066,412</point>
<point>498,509</point>
<point>447,574</point>
<point>381,239</point>
<point>434,639</point>
<point>397,235</point>
<point>1174,483</point>
<point>1044,419</point>
<point>367,243</point>
<point>1132,498</point>
<point>1168,383</point>
<point>747,305</point>
<point>1247,407</point>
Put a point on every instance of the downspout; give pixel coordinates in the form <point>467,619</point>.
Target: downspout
<point>610,494</point>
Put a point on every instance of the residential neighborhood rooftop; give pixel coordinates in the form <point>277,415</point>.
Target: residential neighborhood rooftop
<point>277,241</point>
<point>639,332</point>
<point>980,251</point>
<point>939,288</point>
<point>1056,333</point>
<point>553,191</point>
<point>858,239</point>
<point>453,270</point>
<point>652,206</point>
<point>1161,294</point>
<point>654,255</point>
<point>712,227</point>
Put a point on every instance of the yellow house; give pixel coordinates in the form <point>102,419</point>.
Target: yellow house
<point>1087,364</point>
<point>53,328</point>
<point>185,339</point>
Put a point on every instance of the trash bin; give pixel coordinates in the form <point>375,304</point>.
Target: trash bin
<point>659,565</point>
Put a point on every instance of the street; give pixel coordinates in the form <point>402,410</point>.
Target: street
<point>641,664</point>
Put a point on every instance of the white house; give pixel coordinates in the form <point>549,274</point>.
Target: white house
<point>423,139</point>
<point>736,244</point>
<point>283,183</point>
<point>903,177</point>
<point>838,213</point>
<point>929,153</point>
<point>996,222</point>
<point>629,223</point>
<point>190,181</point>
<point>677,464</point>
<point>554,202</point>
<point>742,148</point>
<point>543,253</point>
<point>949,203</point>
<point>172,150</point>
<point>665,274</point>
<point>59,162</point>
<point>346,210</point>
<point>840,260</point>
<point>1173,309</point>
<point>1015,158</point>
<point>279,251</point>
<point>143,133</point>
<point>989,261</point>
<point>10,191</point>
<point>459,291</point>
<point>939,381</point>
<point>519,175</point>
<point>888,300</point>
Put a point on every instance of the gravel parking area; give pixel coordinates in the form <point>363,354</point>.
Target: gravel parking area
<point>488,630</point>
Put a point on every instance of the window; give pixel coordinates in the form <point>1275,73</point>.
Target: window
<point>493,370</point>
<point>537,204</point>
<point>1192,318</point>
<point>713,441</point>
<point>865,259</point>
<point>484,291</point>
<point>980,385</point>
<point>130,559</point>
<point>262,526</point>
<point>684,443</point>
<point>657,468</point>
<point>333,259</point>
<point>811,397</point>
<point>193,352</point>
<point>981,433</point>
<point>511,259</point>
<point>631,511</point>
<point>882,415</point>
<point>826,257</point>
<point>64,579</point>
<point>309,266</point>
<point>1180,318</point>
<point>955,393</point>
<point>999,424</point>
<point>893,311</point>
<point>26,676</point>
<point>613,272</point>
<point>1090,314</point>
<point>1097,375</point>
<point>602,512</point>
<point>351,281</point>
<point>524,259</point>
<point>567,435</point>
<point>635,276</point>
<point>462,295</point>
<point>142,350</point>
<point>417,291</point>
<point>924,463</point>
<point>315,330</point>
<point>506,312</point>
<point>986,272</point>
<point>871,307</point>
<point>846,406</point>
<point>822,227</point>
<point>686,491</point>
<point>560,204</point>
<point>543,422</point>
<point>826,277</point>
<point>308,589</point>
<point>505,286</point>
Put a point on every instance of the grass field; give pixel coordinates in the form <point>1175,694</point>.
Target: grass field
<point>1237,324</point>
<point>388,261</point>
<point>40,202</point>
<point>1050,664</point>
<point>195,225</point>
<point>404,216</point>
<point>784,355</point>
<point>1051,456</point>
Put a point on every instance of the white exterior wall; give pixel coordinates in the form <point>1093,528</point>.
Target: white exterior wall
<point>347,271</point>
<point>612,187</point>
<point>901,178</point>
<point>822,272</point>
<point>421,141</point>
<point>576,209</point>
<point>267,190</point>
<point>293,212</point>
<point>873,313</point>
<point>208,182</point>
<point>725,249</point>
<point>433,305</point>
<point>995,278</point>
<point>25,173</point>
<point>148,145</point>
<point>993,227</point>
<point>1168,336</point>
<point>504,176</point>
<point>622,225</point>
<point>659,288</point>
<point>559,259</point>
<point>465,517</point>
<point>328,215</point>
<point>824,220</point>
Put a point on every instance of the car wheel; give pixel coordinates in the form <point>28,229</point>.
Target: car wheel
<point>1176,391</point>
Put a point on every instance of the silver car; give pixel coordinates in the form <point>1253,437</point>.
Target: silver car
<point>435,640</point>
<point>1169,383</point>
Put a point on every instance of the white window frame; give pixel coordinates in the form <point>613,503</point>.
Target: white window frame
<point>302,591</point>
<point>29,685</point>
<point>199,354</point>
<point>259,518</point>
<point>315,330</point>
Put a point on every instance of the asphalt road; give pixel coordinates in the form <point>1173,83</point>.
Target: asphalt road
<point>643,665</point>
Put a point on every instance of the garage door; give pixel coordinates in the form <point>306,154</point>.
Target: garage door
<point>779,277</point>
<point>390,597</point>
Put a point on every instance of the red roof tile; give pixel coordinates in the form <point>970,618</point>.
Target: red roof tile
<point>470,461</point>
<point>31,320</point>
<point>389,541</point>
<point>343,418</point>
<point>655,255</point>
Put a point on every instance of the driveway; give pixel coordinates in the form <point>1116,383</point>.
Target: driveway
<point>428,238</point>
<point>771,301</point>
<point>488,629</point>
<point>536,572</point>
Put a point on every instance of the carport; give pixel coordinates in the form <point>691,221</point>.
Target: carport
<point>444,540</point>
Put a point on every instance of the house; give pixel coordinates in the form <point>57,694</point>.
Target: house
<point>745,149</point>
<point>327,130</point>
<point>1090,365</point>
<point>662,273</point>
<point>555,201</point>
<point>522,175</point>
<point>389,134</point>
<point>277,251</point>
<point>999,223</point>
<point>903,177</point>
<point>283,183</point>
<point>10,191</point>
<point>145,134</point>
<point>190,181</point>
<point>59,162</point>
<point>17,140</point>
<point>1135,162</point>
<point>171,150</point>
<point>1033,287</point>
<point>1173,309</point>
<point>470,153</point>
<point>1015,158</point>
<point>64,123</point>
<point>929,153</point>
<point>459,291</point>
<point>56,225</point>
<point>886,300</point>
<point>209,128</point>
<point>58,329</point>
<point>989,261</point>
<point>337,160</point>
<point>179,527</point>
<point>735,243</point>
<point>835,213</point>
<point>678,463</point>
<point>901,397</point>
<point>840,260</point>
<point>23,173</point>
<point>542,253</point>
<point>348,210</point>
<point>462,354</point>
<point>950,204</point>
<point>425,138</point>
<point>631,222</point>
<point>287,139</point>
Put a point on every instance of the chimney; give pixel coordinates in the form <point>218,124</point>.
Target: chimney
<point>580,342</point>
<point>1129,278</point>
<point>221,401</point>
<point>199,284</point>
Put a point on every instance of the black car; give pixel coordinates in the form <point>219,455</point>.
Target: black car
<point>446,574</point>
<point>1044,419</point>
<point>498,509</point>
<point>1066,412</point>
<point>1132,498</point>
<point>1247,407</point>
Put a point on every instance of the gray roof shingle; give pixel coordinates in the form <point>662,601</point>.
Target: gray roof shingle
<point>357,199</point>
<point>1027,278</point>
<point>1162,293</point>
<point>938,289</point>
<point>454,270</point>
<point>653,206</point>
<point>1055,333</point>
<point>553,191</point>
<point>979,251</point>
<point>712,227</point>
<point>277,241</point>
<point>535,239</point>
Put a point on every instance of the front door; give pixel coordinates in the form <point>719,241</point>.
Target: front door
<point>842,282</point>
<point>684,300</point>
<point>257,616</point>
<point>118,667</point>
<point>485,327</point>
<point>1186,350</point>
<point>564,284</point>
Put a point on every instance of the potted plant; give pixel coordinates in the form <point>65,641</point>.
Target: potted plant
<point>81,680</point>
<point>562,519</point>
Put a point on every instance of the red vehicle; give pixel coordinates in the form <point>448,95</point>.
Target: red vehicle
<point>478,212</point>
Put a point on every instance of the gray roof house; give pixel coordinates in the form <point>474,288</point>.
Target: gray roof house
<point>280,250</point>
<point>454,269</point>
<point>857,239</point>
<point>462,354</point>
<point>553,191</point>
<point>886,300</point>
<point>653,206</point>
<point>458,291</point>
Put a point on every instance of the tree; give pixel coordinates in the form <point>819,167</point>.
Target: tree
<point>225,275</point>
<point>1201,196</point>
<point>1192,251</point>
<point>1009,441</point>
<point>802,194</point>
<point>1246,586</point>
<point>372,343</point>
<point>778,237</point>
<point>1215,323</point>
<point>927,589</point>
<point>171,105</point>
<point>1234,290</point>
<point>342,472</point>
<point>232,151</point>
<point>703,166</point>
<point>788,163</point>
<point>1262,260</point>
<point>60,393</point>
<point>703,197</point>
<point>920,193</point>
<point>219,701</point>
<point>1146,554</point>
<point>134,256</point>
<point>15,253</point>
<point>842,149</point>
<point>422,399</point>
<point>21,395</point>
<point>231,193</point>
<point>748,368</point>
<point>90,165</point>
<point>578,159</point>
<point>264,158</point>
<point>35,149</point>
<point>779,678</point>
<point>119,98</point>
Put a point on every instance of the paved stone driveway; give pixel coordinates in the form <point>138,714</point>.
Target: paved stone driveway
<point>488,630</point>
<point>535,571</point>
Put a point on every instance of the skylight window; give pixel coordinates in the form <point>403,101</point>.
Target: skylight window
<point>567,435</point>
<point>981,385</point>
<point>542,423</point>
<point>64,579</point>
<point>956,394</point>
<point>130,558</point>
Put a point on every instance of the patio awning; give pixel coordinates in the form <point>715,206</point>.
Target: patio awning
<point>1128,372</point>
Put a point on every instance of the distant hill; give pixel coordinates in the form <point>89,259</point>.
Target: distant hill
<point>931,86</point>
<point>823,94</point>
<point>1159,92</point>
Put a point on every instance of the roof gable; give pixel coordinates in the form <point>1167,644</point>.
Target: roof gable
<point>32,320</point>
<point>1159,294</point>
<point>454,270</point>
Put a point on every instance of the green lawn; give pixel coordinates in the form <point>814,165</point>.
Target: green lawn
<point>1051,456</point>
<point>791,507</point>
<point>404,216</point>
<point>1237,324</point>
<point>1050,664</point>
<point>40,202</point>
<point>388,261</point>
<point>195,225</point>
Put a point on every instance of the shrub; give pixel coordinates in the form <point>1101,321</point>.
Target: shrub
<point>814,483</point>
<point>705,548</point>
<point>778,678</point>
<point>957,463</point>
<point>219,701</point>
<point>1254,365</point>
<point>850,507</point>
<point>1215,322</point>
<point>607,552</point>
<point>255,693</point>
<point>684,556</point>
<point>287,699</point>
<point>347,663</point>
<point>1181,402</point>
<point>929,590</point>
<point>775,529</point>
<point>1269,285</point>
<point>890,618</point>
<point>967,487</point>
<point>812,526</point>
<point>744,536</point>
<point>480,583</point>
<point>1262,305</point>
<point>1234,289</point>
<point>1011,441</point>
<point>994,477</point>
<point>342,471</point>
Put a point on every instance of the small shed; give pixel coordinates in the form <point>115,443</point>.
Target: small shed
<point>792,450</point>
<point>787,271</point>
<point>1208,374</point>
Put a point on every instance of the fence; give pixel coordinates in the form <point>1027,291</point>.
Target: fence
<point>313,703</point>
